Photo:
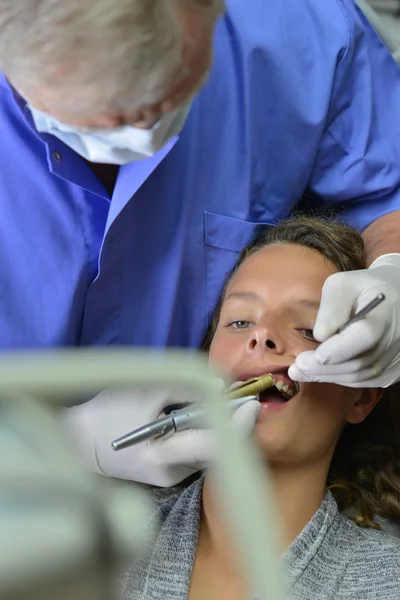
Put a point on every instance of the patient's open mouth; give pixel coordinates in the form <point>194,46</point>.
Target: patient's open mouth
<point>283,390</point>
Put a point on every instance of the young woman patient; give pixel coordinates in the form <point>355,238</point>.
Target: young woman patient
<point>328,448</point>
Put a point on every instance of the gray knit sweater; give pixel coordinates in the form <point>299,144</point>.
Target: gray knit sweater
<point>331,559</point>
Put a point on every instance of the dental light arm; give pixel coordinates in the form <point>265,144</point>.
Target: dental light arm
<point>55,377</point>
<point>63,534</point>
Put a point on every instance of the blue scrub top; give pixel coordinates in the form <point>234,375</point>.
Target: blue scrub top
<point>302,96</point>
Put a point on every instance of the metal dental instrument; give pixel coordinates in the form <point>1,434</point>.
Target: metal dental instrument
<point>177,420</point>
<point>363,312</point>
<point>193,415</point>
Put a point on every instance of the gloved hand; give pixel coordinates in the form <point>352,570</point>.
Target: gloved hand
<point>367,353</point>
<point>164,462</point>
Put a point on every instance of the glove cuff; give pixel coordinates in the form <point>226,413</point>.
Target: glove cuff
<point>387,260</point>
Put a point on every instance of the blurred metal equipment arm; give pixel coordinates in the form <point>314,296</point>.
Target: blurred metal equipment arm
<point>63,533</point>
<point>40,468</point>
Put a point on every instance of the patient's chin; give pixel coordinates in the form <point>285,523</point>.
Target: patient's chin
<point>273,444</point>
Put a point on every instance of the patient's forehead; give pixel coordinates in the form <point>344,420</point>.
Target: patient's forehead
<point>282,267</point>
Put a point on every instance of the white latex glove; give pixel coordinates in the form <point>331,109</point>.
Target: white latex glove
<point>367,353</point>
<point>164,462</point>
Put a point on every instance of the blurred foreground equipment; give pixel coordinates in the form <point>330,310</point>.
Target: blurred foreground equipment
<point>64,534</point>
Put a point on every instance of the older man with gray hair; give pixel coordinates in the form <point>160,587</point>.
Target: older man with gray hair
<point>144,142</point>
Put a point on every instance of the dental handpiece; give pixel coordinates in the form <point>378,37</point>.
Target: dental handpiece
<point>250,387</point>
<point>193,415</point>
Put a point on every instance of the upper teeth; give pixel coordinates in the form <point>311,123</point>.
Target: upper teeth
<point>286,389</point>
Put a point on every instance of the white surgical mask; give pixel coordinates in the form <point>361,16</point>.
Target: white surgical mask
<point>114,146</point>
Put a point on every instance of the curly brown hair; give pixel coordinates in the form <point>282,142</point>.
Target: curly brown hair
<point>365,471</point>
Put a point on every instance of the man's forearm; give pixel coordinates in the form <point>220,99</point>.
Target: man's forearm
<point>382,236</point>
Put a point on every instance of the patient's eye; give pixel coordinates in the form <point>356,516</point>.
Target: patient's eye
<point>240,324</point>
<point>308,334</point>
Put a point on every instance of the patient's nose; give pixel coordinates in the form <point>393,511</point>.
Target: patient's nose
<point>264,340</point>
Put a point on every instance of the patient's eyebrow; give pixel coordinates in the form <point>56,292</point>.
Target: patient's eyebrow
<point>253,297</point>
<point>244,296</point>
<point>294,302</point>
<point>305,303</point>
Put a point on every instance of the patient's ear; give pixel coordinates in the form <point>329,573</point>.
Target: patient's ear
<point>368,399</point>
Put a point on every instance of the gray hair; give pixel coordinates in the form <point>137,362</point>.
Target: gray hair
<point>112,54</point>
